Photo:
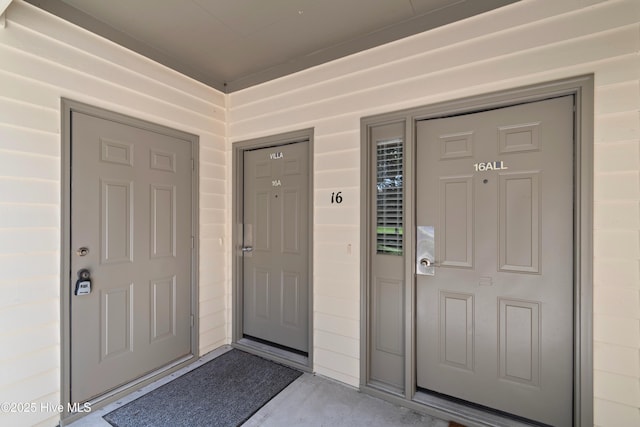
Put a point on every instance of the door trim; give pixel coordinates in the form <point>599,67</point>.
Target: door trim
<point>273,353</point>
<point>582,89</point>
<point>67,107</point>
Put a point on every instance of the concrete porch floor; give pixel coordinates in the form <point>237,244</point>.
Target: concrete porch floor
<point>309,401</point>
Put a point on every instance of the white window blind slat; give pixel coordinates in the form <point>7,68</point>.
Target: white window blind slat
<point>389,200</point>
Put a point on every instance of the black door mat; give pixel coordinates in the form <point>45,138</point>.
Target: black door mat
<point>226,391</point>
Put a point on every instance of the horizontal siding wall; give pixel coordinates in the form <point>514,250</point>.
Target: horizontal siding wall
<point>529,42</point>
<point>42,59</point>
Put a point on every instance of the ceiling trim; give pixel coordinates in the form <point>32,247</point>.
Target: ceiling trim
<point>446,15</point>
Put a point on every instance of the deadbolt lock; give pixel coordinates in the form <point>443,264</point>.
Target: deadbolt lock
<point>83,251</point>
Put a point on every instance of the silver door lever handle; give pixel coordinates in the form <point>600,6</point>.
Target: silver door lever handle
<point>428,263</point>
<point>247,248</point>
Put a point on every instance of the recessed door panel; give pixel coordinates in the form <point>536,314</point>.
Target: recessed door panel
<point>116,152</point>
<point>388,306</point>
<point>116,218</point>
<point>163,161</point>
<point>163,308</point>
<point>290,299</point>
<point>520,341</point>
<point>261,294</point>
<point>131,208</point>
<point>456,217</point>
<point>262,217</point>
<point>163,217</point>
<point>291,220</point>
<point>456,330</point>
<point>519,244</point>
<point>116,322</point>
<point>519,137</point>
<point>456,145</point>
<point>275,258</point>
<point>494,323</point>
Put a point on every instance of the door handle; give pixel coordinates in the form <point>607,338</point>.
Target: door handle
<point>246,249</point>
<point>425,250</point>
<point>425,262</point>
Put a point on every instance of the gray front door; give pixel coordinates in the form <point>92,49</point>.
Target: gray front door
<point>276,239</point>
<point>131,209</point>
<point>495,304</point>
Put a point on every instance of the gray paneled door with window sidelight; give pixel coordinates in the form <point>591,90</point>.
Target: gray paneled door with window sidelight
<point>131,208</point>
<point>275,245</point>
<point>495,320</point>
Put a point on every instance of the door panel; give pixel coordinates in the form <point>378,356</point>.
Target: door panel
<point>456,329</point>
<point>116,216</point>
<point>127,184</point>
<point>163,221</point>
<point>519,353</point>
<point>456,217</point>
<point>494,322</point>
<point>275,270</point>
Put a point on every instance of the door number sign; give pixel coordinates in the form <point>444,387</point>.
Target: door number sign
<point>336,197</point>
<point>489,166</point>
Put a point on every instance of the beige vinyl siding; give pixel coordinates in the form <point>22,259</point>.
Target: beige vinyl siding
<point>42,59</point>
<point>529,42</point>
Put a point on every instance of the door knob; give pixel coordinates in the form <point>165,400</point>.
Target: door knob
<point>247,249</point>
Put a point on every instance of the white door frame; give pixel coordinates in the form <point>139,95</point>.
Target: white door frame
<point>273,353</point>
<point>582,89</point>
<point>66,275</point>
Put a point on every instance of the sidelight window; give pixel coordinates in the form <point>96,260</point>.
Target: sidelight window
<point>389,197</point>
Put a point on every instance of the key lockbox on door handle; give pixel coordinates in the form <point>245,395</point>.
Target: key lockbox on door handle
<point>83,284</point>
<point>425,250</point>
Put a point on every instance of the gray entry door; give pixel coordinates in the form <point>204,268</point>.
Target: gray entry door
<point>131,208</point>
<point>276,241</point>
<point>494,321</point>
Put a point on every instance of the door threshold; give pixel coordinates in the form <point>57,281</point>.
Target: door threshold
<point>276,354</point>
<point>474,416</point>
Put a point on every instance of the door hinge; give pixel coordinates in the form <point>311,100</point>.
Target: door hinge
<point>193,242</point>
<point>192,320</point>
<point>193,164</point>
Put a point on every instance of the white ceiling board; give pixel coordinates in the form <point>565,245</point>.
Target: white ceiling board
<point>232,44</point>
<point>338,21</point>
<point>249,16</point>
<point>156,22</point>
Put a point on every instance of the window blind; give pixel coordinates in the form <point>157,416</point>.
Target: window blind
<point>389,200</point>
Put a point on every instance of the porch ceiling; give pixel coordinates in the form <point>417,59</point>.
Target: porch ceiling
<point>234,44</point>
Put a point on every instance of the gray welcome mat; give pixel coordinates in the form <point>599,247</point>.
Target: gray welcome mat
<point>223,392</point>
